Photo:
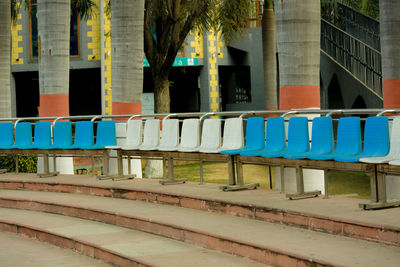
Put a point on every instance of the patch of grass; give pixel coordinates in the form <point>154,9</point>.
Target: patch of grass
<point>349,183</point>
<point>339,183</point>
<point>218,173</point>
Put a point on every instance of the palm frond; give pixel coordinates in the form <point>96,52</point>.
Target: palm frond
<point>82,8</point>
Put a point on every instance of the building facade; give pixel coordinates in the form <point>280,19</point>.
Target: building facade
<point>207,75</point>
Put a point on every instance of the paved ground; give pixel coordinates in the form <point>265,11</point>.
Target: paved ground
<point>338,207</point>
<point>19,251</point>
<point>295,241</point>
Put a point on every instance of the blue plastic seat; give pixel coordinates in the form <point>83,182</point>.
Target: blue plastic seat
<point>84,136</point>
<point>62,136</point>
<point>321,138</point>
<point>275,142</point>
<point>376,140</point>
<point>6,135</point>
<point>348,140</point>
<point>106,135</point>
<point>298,138</point>
<point>23,136</point>
<point>42,135</point>
<point>254,136</point>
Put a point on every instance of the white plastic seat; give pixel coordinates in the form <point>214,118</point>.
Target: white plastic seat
<point>133,135</point>
<point>233,134</point>
<point>169,135</point>
<point>190,137</point>
<point>151,135</point>
<point>394,154</point>
<point>211,136</point>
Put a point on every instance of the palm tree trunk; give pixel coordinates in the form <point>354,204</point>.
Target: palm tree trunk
<point>54,42</point>
<point>269,56</point>
<point>127,18</point>
<point>5,59</point>
<point>298,27</point>
<point>390,49</point>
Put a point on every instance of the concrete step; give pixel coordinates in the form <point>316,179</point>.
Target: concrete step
<point>23,252</point>
<point>337,215</point>
<point>268,243</point>
<point>110,243</point>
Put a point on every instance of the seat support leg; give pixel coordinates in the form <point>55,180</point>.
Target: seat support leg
<point>300,187</point>
<point>239,174</point>
<point>378,193</point>
<point>326,194</point>
<point>171,179</point>
<point>46,168</point>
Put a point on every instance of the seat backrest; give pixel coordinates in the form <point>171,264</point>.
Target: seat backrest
<point>6,134</point>
<point>211,134</point>
<point>298,137</point>
<point>190,136</point>
<point>376,135</point>
<point>151,133</point>
<point>42,135</point>
<point>255,133</point>
<point>62,133</point>
<point>275,134</point>
<point>84,134</point>
<point>233,134</point>
<point>322,140</point>
<point>134,133</point>
<point>170,133</point>
<point>394,138</point>
<point>23,134</point>
<point>106,134</point>
<point>349,136</point>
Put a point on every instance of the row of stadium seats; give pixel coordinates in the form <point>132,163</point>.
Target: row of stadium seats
<point>62,132</point>
<point>269,143</point>
<point>377,147</point>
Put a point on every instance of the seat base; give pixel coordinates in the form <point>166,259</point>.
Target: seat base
<point>226,188</point>
<point>173,181</point>
<point>116,177</point>
<point>50,174</point>
<point>378,205</point>
<point>303,195</point>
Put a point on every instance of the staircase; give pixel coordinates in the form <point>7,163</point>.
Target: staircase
<point>351,40</point>
<point>143,223</point>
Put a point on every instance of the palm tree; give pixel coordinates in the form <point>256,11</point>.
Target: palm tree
<point>390,50</point>
<point>54,41</point>
<point>269,55</point>
<point>127,18</point>
<point>5,58</point>
<point>54,37</point>
<point>298,38</point>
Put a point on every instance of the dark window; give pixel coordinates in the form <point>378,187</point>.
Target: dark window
<point>33,30</point>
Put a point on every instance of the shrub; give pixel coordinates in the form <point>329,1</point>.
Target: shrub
<point>25,163</point>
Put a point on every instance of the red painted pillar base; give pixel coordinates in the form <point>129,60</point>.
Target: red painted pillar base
<point>54,105</point>
<point>120,108</point>
<point>301,96</point>
<point>391,93</point>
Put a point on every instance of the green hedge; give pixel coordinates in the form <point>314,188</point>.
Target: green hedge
<point>25,163</point>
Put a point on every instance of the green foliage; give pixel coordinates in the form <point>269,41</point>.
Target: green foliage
<point>26,164</point>
<point>232,17</point>
<point>367,7</point>
<point>83,8</point>
<point>167,23</point>
<point>14,10</point>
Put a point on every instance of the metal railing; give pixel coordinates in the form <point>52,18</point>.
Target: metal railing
<point>353,22</point>
<point>363,61</point>
<point>204,115</point>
